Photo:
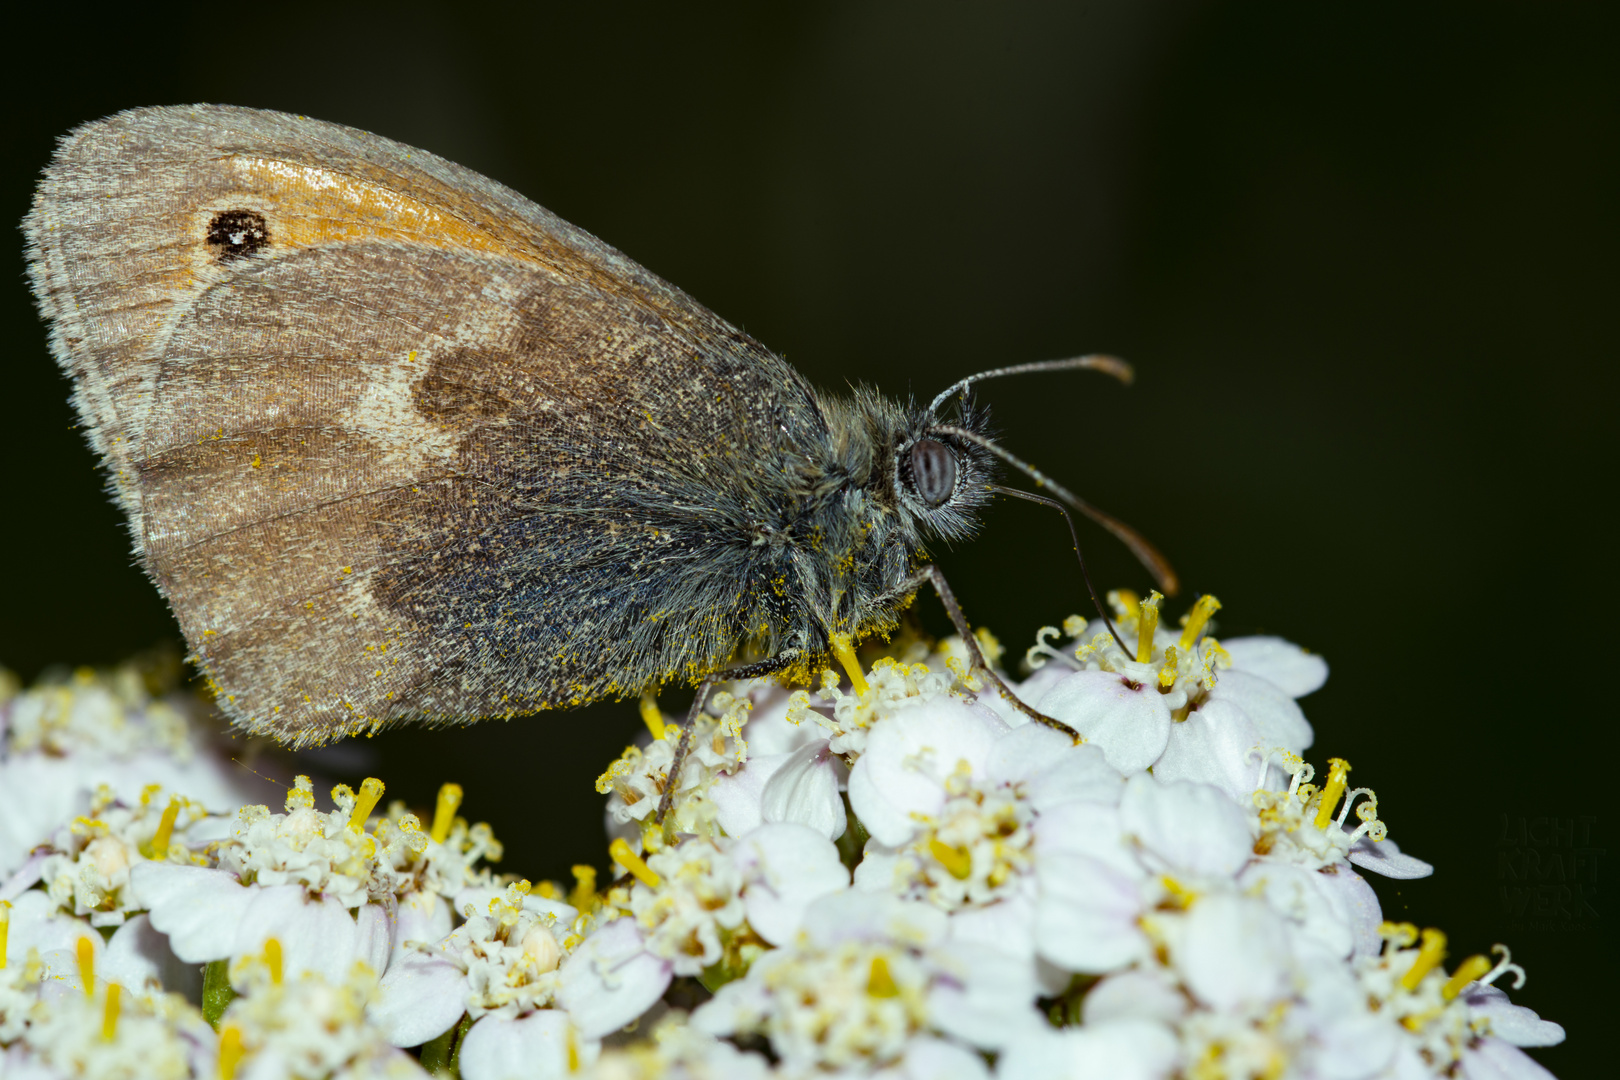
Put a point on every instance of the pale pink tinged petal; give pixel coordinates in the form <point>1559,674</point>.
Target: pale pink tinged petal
<point>610,979</point>
<point>1086,915</point>
<point>1494,1059</point>
<point>907,758</point>
<point>1080,772</point>
<point>533,1047</point>
<point>982,995</point>
<point>26,876</point>
<point>788,867</point>
<point>1276,717</point>
<point>316,934</point>
<point>736,1003</point>
<point>865,916</point>
<point>1024,752</point>
<point>374,934</point>
<point>1141,994</point>
<point>1356,904</point>
<point>929,1058</point>
<point>1123,1050</point>
<point>1509,1022</point>
<point>1302,896</point>
<point>43,793</point>
<point>423,917</point>
<point>1090,829</point>
<point>419,999</point>
<point>1128,721</point>
<point>139,952</point>
<point>1214,745</point>
<point>1234,952</point>
<point>200,909</point>
<point>738,798</point>
<point>36,924</point>
<point>1282,663</point>
<point>1193,827</point>
<point>804,791</point>
<point>1385,858</point>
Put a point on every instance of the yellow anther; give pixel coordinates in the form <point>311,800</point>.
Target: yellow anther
<point>1126,605</point>
<point>880,982</point>
<point>651,716</point>
<point>5,930</point>
<point>1430,953</point>
<point>1467,971</point>
<point>1197,619</point>
<point>85,952</point>
<point>582,897</point>
<point>1171,668</point>
<point>1338,769</point>
<point>272,960</point>
<point>371,793</point>
<point>159,847</point>
<point>109,1013</point>
<point>1147,624</point>
<point>230,1051</point>
<point>955,860</point>
<point>619,851</point>
<point>444,812</point>
<point>843,649</point>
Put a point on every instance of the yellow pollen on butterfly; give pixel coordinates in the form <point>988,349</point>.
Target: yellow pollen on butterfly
<point>1431,951</point>
<point>1197,619</point>
<point>651,716</point>
<point>85,953</point>
<point>109,1013</point>
<point>619,851</point>
<point>371,792</point>
<point>1338,769</point>
<point>444,812</point>
<point>1147,624</point>
<point>843,650</point>
<point>880,981</point>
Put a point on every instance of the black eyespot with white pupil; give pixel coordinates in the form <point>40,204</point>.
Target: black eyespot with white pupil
<point>234,234</point>
<point>933,471</point>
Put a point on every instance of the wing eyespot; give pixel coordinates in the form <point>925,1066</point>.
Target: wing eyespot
<point>236,234</point>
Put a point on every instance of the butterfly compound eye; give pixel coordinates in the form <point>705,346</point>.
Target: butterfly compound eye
<point>933,471</point>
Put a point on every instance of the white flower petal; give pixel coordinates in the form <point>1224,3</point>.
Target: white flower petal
<point>738,797</point>
<point>787,867</point>
<point>316,933</point>
<point>1128,721</point>
<point>139,953</point>
<point>1122,1050</point>
<point>1495,1059</point>
<point>1193,827</point>
<point>928,1058</point>
<point>1139,994</point>
<point>984,996</point>
<point>419,999</point>
<point>804,790</point>
<point>533,1047</point>
<point>907,758</point>
<point>1234,952</point>
<point>423,917</point>
<point>200,909</point>
<point>1509,1022</point>
<point>611,979</point>
<point>1215,745</point>
<point>1277,719</point>
<point>1086,914</point>
<point>865,916</point>
<point>1282,663</point>
<point>1385,858</point>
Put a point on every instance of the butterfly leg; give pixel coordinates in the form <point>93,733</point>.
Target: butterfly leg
<point>932,575</point>
<point>769,666</point>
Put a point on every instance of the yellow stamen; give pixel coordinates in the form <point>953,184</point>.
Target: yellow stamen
<point>230,1051</point>
<point>843,650</point>
<point>1338,769</point>
<point>955,860</point>
<point>1467,971</point>
<point>1430,953</point>
<point>371,793</point>
<point>583,897</point>
<point>109,1014</point>
<point>573,1050</point>
<point>86,954</point>
<point>1126,605</point>
<point>634,864</point>
<point>651,716</point>
<point>159,848</point>
<point>1168,673</point>
<point>5,930</point>
<point>272,960</point>
<point>444,812</point>
<point>1147,624</point>
<point>1197,619</point>
<point>880,983</point>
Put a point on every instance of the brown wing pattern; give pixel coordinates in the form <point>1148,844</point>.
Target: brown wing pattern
<point>393,440</point>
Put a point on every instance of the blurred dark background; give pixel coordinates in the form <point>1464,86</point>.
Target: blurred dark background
<point>1358,254</point>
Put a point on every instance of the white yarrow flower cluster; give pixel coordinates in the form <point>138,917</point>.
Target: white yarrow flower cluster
<point>899,874</point>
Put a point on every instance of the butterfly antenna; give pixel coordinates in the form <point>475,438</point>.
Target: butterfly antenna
<point>1090,588</point>
<point>1108,365</point>
<point>1148,555</point>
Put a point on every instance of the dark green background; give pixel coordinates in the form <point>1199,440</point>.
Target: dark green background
<point>1363,256</point>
